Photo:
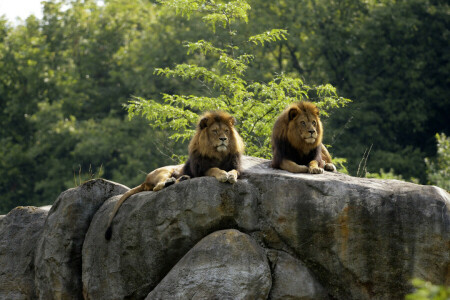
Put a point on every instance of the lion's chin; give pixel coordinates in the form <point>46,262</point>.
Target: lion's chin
<point>222,148</point>
<point>310,140</point>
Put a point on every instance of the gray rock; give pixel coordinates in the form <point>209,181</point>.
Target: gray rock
<point>361,238</point>
<point>154,230</point>
<point>357,238</point>
<point>19,232</point>
<point>226,264</point>
<point>58,254</point>
<point>292,279</point>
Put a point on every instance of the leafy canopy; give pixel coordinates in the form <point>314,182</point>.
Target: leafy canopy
<point>223,77</point>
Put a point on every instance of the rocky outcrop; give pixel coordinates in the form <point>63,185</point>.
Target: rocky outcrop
<point>226,263</point>
<point>272,235</point>
<point>58,254</point>
<point>292,279</point>
<point>19,232</point>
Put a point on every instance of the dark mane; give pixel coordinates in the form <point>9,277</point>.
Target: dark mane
<point>197,164</point>
<point>282,149</point>
<point>283,133</point>
<point>202,157</point>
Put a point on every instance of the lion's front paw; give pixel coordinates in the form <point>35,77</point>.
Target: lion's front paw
<point>330,167</point>
<point>232,177</point>
<point>315,170</point>
<point>159,186</point>
<point>170,181</point>
<point>183,178</point>
<point>222,176</point>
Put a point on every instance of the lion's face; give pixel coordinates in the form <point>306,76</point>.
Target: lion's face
<point>219,136</point>
<point>216,136</point>
<point>304,126</point>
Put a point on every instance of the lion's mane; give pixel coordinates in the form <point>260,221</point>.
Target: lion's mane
<point>287,142</point>
<point>203,156</point>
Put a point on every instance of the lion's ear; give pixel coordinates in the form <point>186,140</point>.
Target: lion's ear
<point>293,112</point>
<point>203,123</point>
<point>233,121</point>
<point>316,111</point>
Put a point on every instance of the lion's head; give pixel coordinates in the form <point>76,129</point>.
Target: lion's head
<point>216,136</point>
<point>300,125</point>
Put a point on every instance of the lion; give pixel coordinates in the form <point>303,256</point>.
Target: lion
<point>297,141</point>
<point>215,150</point>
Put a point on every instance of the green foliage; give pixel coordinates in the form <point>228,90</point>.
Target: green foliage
<point>427,291</point>
<point>438,169</point>
<point>64,80</point>
<point>388,56</point>
<point>389,175</point>
<point>340,164</point>
<point>255,104</point>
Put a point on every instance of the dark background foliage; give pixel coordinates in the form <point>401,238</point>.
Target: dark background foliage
<point>64,80</point>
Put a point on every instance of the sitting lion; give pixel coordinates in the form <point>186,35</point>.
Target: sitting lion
<point>297,141</point>
<point>215,150</point>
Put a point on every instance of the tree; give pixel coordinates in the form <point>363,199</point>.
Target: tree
<point>438,169</point>
<point>62,88</point>
<point>224,84</point>
<point>388,56</point>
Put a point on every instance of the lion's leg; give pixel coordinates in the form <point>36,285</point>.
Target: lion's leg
<point>314,167</point>
<point>329,166</point>
<point>159,177</point>
<point>292,167</point>
<point>219,174</point>
<point>183,178</point>
<point>233,176</point>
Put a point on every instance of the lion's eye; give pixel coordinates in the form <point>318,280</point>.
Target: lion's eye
<point>226,130</point>
<point>314,123</point>
<point>303,123</point>
<point>215,131</point>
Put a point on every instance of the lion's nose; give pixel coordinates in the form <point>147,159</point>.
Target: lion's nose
<point>311,131</point>
<point>223,138</point>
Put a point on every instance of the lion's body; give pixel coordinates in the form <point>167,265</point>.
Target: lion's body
<point>297,141</point>
<point>215,150</point>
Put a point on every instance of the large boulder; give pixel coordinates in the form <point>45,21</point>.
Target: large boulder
<point>20,230</point>
<point>359,238</point>
<point>226,264</point>
<point>58,254</point>
<point>292,279</point>
<point>152,231</point>
<point>324,235</point>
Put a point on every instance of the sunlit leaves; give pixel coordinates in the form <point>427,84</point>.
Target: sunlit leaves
<point>269,36</point>
<point>254,104</point>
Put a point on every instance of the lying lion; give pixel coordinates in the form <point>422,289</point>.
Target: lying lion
<point>215,150</point>
<point>297,141</point>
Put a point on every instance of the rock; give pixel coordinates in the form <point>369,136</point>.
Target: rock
<point>293,280</point>
<point>361,238</point>
<point>19,232</point>
<point>339,236</point>
<point>152,231</point>
<point>226,264</point>
<point>58,254</point>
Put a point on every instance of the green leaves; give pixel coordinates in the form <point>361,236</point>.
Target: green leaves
<point>254,104</point>
<point>216,12</point>
<point>269,36</point>
<point>438,169</point>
